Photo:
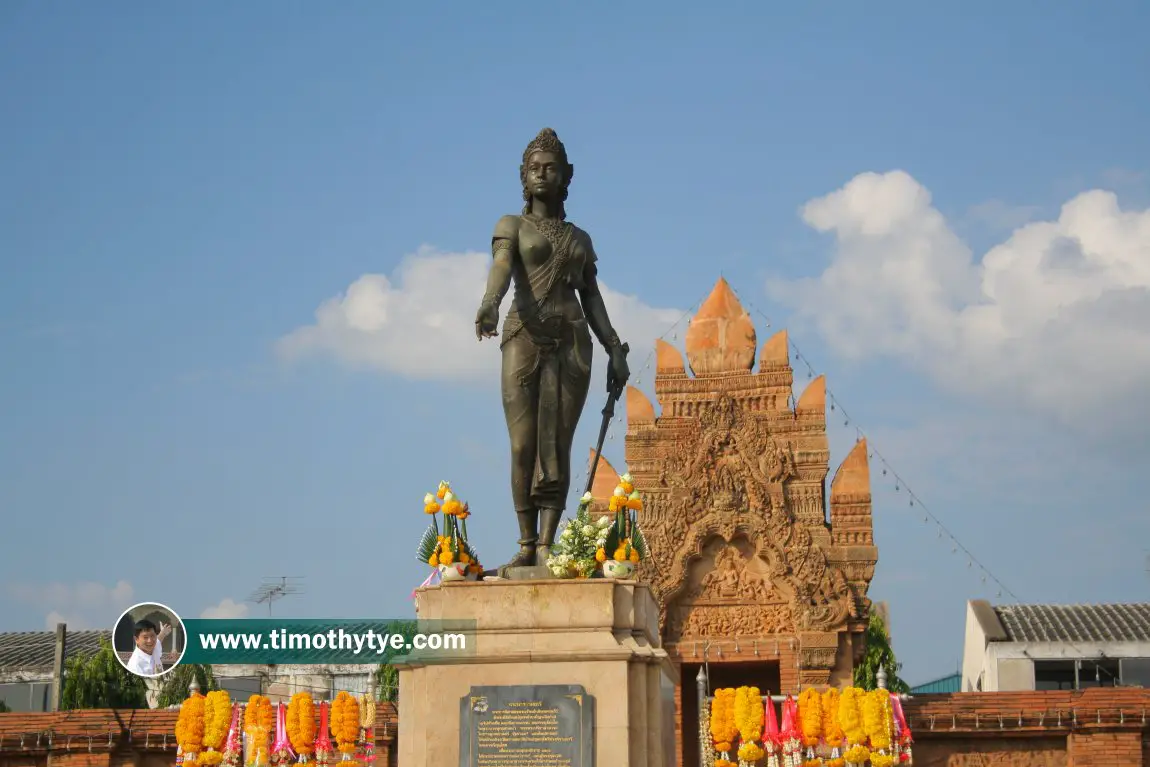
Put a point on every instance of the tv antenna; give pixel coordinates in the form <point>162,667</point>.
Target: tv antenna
<point>274,589</point>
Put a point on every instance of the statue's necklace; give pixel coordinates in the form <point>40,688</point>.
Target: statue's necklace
<point>550,228</point>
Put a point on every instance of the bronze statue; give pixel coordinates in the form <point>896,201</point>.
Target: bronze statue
<point>546,341</point>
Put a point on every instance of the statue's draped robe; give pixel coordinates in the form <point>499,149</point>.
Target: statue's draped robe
<point>547,352</point>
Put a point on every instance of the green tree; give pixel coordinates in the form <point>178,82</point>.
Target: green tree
<point>4,708</point>
<point>879,654</point>
<point>99,680</point>
<point>177,682</point>
<point>387,683</point>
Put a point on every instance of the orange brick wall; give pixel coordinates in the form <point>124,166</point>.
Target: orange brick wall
<point>122,738</point>
<point>1091,728</point>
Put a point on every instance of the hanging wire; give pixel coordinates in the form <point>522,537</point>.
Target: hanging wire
<point>900,485</point>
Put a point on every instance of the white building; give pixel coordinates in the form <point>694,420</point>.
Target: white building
<point>1055,647</point>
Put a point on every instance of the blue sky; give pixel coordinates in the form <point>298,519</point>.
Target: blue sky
<point>946,205</point>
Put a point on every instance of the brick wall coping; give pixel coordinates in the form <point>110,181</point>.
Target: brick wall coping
<point>107,729</point>
<point>1035,713</point>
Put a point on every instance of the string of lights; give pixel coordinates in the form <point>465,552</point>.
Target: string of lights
<point>834,405</point>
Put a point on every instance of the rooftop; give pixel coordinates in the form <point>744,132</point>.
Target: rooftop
<point>1074,623</point>
<point>37,649</point>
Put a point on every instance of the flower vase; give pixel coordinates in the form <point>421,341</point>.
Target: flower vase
<point>456,571</point>
<point>618,570</point>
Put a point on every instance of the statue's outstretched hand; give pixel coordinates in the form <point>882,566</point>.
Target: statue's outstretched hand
<point>486,321</point>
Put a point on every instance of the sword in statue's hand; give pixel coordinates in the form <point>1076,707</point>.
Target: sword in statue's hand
<point>608,413</point>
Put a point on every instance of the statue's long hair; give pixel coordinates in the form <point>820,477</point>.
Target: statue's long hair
<point>547,141</point>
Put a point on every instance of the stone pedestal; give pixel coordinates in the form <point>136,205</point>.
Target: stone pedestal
<point>602,635</point>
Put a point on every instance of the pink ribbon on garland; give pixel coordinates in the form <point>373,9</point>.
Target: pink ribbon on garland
<point>282,742</point>
<point>900,723</point>
<point>431,580</point>
<point>770,725</point>
<point>233,742</point>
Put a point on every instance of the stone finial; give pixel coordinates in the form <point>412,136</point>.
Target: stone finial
<point>881,678</point>
<point>721,338</point>
<point>776,352</point>
<point>606,478</point>
<point>194,687</point>
<point>853,475</point>
<point>668,360</point>
<point>639,408</point>
<point>814,397</point>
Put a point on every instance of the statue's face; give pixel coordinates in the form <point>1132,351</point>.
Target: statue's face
<point>544,175</point>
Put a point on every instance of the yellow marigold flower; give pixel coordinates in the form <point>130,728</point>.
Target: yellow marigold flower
<point>434,560</point>
<point>635,504</point>
<point>635,559</point>
<point>628,488</point>
<point>444,486</point>
<point>463,557</point>
<point>431,508</point>
<point>600,555</point>
<point>446,558</point>
<point>620,554</point>
<point>452,507</point>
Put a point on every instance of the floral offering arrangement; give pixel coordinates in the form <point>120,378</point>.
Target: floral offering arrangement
<point>624,541</point>
<point>848,728</point>
<point>259,719</point>
<point>575,550</point>
<point>772,738</point>
<point>282,754</point>
<point>324,750</point>
<point>190,728</point>
<point>233,746</point>
<point>301,725</point>
<point>450,550</point>
<point>749,721</point>
<point>810,716</point>
<point>345,726</point>
<point>791,739</point>
<point>367,710</point>
<point>832,731</point>
<point>217,717</point>
<point>724,728</point>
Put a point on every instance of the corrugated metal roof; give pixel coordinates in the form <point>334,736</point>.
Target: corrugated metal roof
<point>952,683</point>
<point>37,649</point>
<point>1076,623</point>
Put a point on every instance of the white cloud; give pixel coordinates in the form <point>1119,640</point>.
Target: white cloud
<point>420,322</point>
<point>1057,316</point>
<point>227,608</point>
<point>80,605</point>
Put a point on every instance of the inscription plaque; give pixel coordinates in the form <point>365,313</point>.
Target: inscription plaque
<point>527,726</point>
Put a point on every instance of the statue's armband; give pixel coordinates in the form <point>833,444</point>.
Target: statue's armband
<point>505,237</point>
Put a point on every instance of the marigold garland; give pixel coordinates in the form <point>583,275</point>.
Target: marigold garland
<point>301,725</point>
<point>259,719</point>
<point>749,722</point>
<point>345,723</point>
<point>876,718</point>
<point>724,730</point>
<point>217,717</point>
<point>850,719</point>
<point>190,727</point>
<point>811,716</point>
<point>749,713</point>
<point>832,731</point>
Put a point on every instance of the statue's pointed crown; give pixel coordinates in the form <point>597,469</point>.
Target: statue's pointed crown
<point>546,141</point>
